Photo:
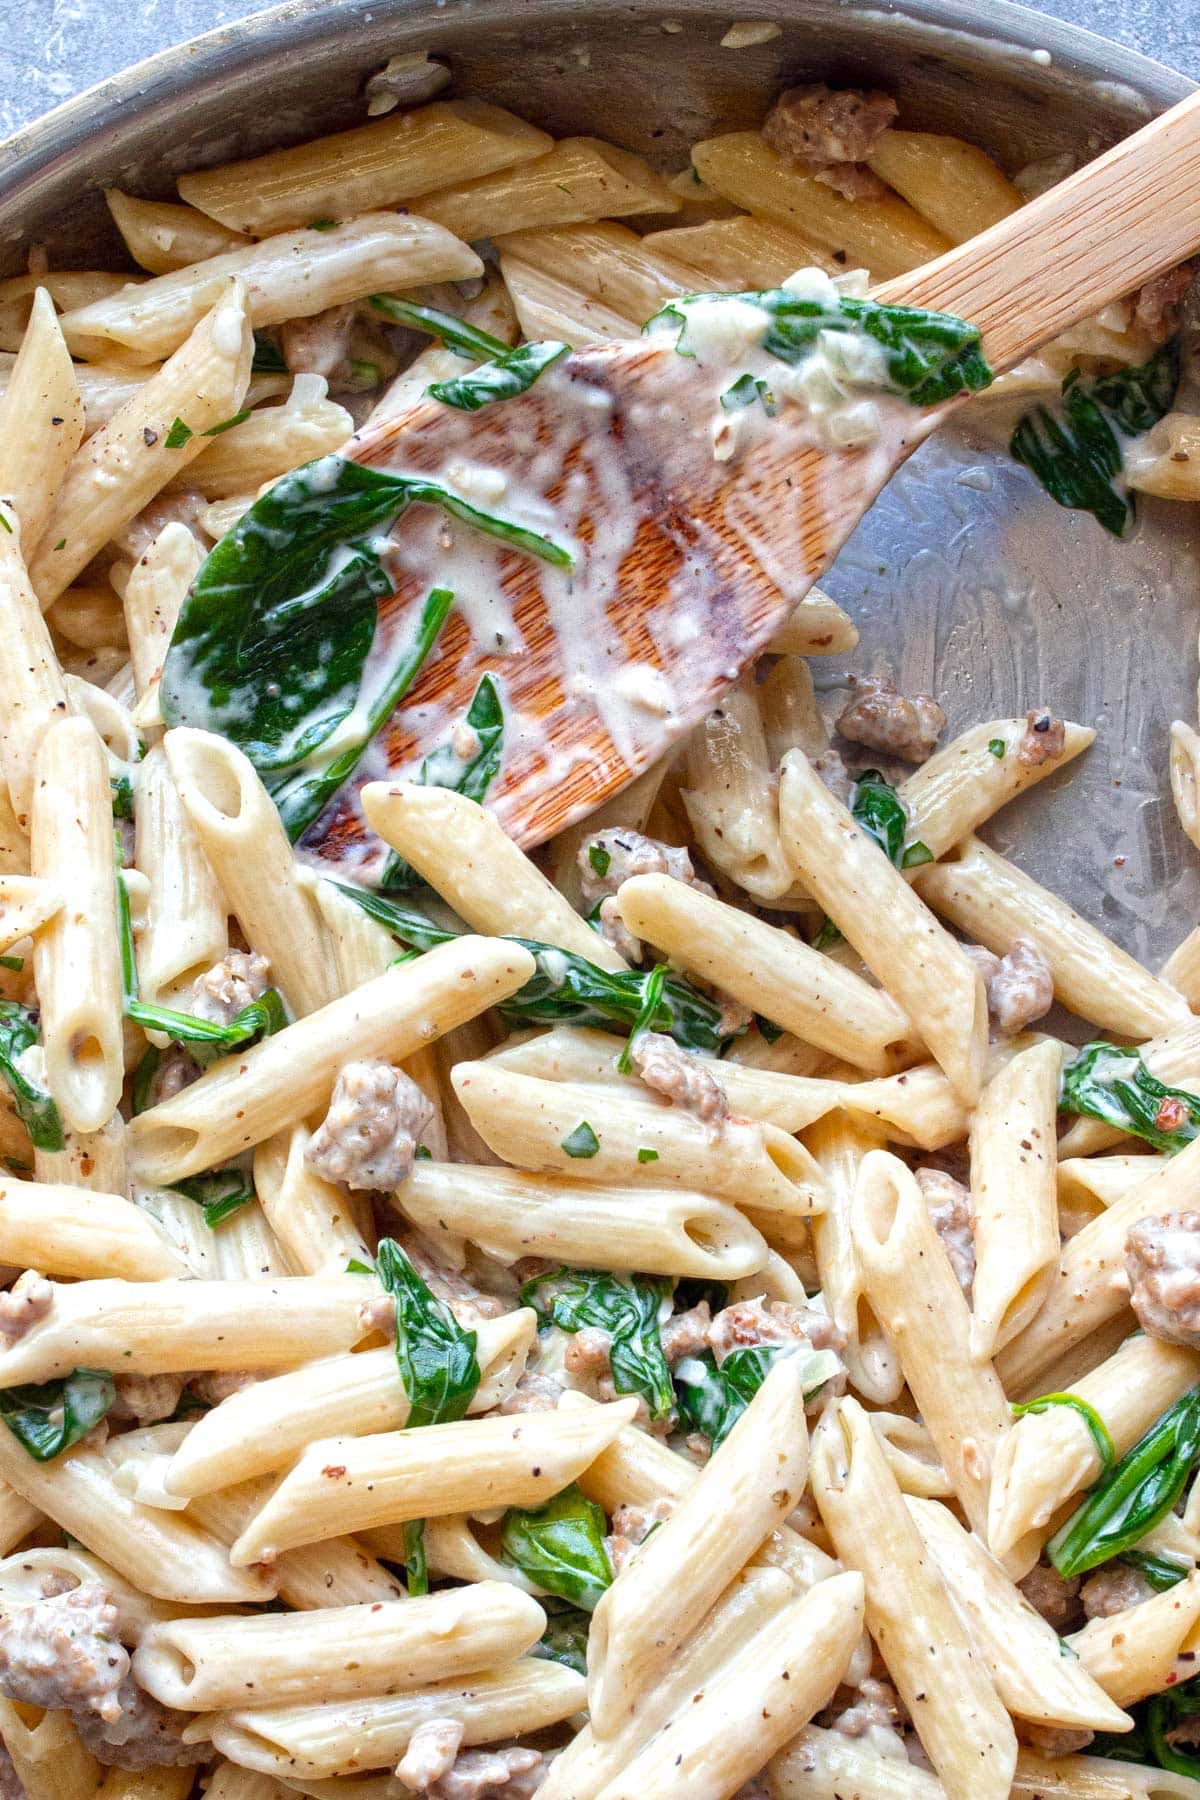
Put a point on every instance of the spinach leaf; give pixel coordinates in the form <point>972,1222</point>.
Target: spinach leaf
<point>47,1417</point>
<point>1109,1083</point>
<point>744,392</point>
<point>452,331</point>
<point>582,1142</point>
<point>560,1546</point>
<point>416,1562</point>
<point>436,1356</point>
<point>1165,1711</point>
<point>925,356</point>
<point>711,1400</point>
<point>1135,1494</point>
<point>503,378</point>
<point>1076,450</point>
<point>565,1638</point>
<point>883,815</point>
<point>628,1308</point>
<point>567,989</point>
<point>272,642</point>
<point>206,1041</point>
<point>647,1013</point>
<point>143,1079</point>
<point>122,797</point>
<point>1101,1436</point>
<point>220,1193</point>
<point>33,1105</point>
<point>444,768</point>
<point>1162,1572</point>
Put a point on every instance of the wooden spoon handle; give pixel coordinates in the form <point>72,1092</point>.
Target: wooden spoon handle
<point>1129,215</point>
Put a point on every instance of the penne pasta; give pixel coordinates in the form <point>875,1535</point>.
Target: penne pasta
<point>30,676</point>
<point>816,626</point>
<point>965,782</point>
<point>839,1142</point>
<point>41,423</point>
<point>71,1231</point>
<point>162,236</point>
<point>730,798</point>
<point>580,178</point>
<point>739,252</point>
<point>953,184</point>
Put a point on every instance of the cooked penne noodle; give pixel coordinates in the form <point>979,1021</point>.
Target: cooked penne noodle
<point>76,958</point>
<point>743,1494</point>
<point>580,178</point>
<point>839,1144</point>
<point>48,1759</point>
<point>885,236</point>
<point>816,626</point>
<point>313,1220</point>
<point>961,1401</point>
<point>18,1518</point>
<point>89,619</point>
<point>741,252</point>
<point>953,184</point>
<point>1182,968</point>
<point>787,706</point>
<point>153,596</point>
<point>426,1472</point>
<point>511,1214</point>
<point>1138,1651</point>
<point>960,1721</point>
<point>825,1765</point>
<point>1021,1651</point>
<point>246,1098</point>
<point>914,959</point>
<point>337,1654</point>
<point>521,1697</point>
<point>70,1231</point>
<point>264,1426</point>
<point>549,308</point>
<point>120,468</point>
<point>290,276</point>
<point>271,441</point>
<point>772,971</point>
<point>164,1554</point>
<point>163,236</point>
<point>1185,750</point>
<point>755,1703</point>
<point>88,1159</point>
<point>154,1327</point>
<point>1014,1200</point>
<point>1087,1184</point>
<point>26,903</point>
<point>1163,461</point>
<point>963,784</point>
<point>1089,1285</point>
<point>185,931</point>
<point>376,165</point>
<point>605,262</point>
<point>464,853</point>
<point>1047,1457</point>
<point>530,1123</point>
<point>995,903</point>
<point>730,798</point>
<point>30,677</point>
<point>41,423</point>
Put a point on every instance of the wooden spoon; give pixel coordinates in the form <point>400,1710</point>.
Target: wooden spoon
<point>704,559</point>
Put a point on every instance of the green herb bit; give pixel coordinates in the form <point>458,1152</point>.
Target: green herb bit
<point>453,332</point>
<point>711,1400</point>
<point>5,523</point>
<point>122,797</point>
<point>560,1547</point>
<point>365,374</point>
<point>444,768</point>
<point>177,436</point>
<point>15,963</point>
<point>323,225</point>
<point>1162,1572</point>
<point>581,1143</point>
<point>47,1417</point>
<point>600,859</point>
<point>503,378</point>
<point>997,748</point>
<point>1101,1436</point>
<point>436,1357</point>
<point>1109,1083</point>
<point>1134,1495</point>
<point>33,1105</point>
<point>238,418</point>
<point>416,1562</point>
<point>628,1308</point>
<point>646,1155</point>
<point>1165,1713</point>
<point>220,1193</point>
<point>143,1079</point>
<point>652,994</point>
<point>744,392</point>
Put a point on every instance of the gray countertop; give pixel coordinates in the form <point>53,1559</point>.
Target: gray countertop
<point>50,49</point>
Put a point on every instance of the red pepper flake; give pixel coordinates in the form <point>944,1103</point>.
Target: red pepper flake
<point>1171,1115</point>
<point>335,1471</point>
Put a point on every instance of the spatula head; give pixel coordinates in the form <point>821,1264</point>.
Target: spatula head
<point>683,564</point>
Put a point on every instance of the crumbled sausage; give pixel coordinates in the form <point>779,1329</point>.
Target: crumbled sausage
<point>834,773</point>
<point>29,1299</point>
<point>831,134</point>
<point>11,1785</point>
<point>1054,1596</point>
<point>1113,1589</point>
<point>631,1526</point>
<point>146,1399</point>
<point>780,1322</point>
<point>319,345</point>
<point>1162,1261</point>
<point>1185,1735</point>
<point>1053,1741</point>
<point>226,989</point>
<point>983,960</point>
<point>876,1714</point>
<point>369,1136</point>
<point>176,1071</point>
<point>1022,989</point>
<point>466,1301</point>
<point>616,932</point>
<point>508,1771</point>
<point>1043,740</point>
<point>616,855</point>
<point>533,1393</point>
<point>1159,302</point>
<point>431,1753</point>
<point>216,1385</point>
<point>145,1736</point>
<point>949,1204</point>
<point>587,1352</point>
<point>687,1333</point>
<point>753,1790</point>
<point>681,1077</point>
<point>890,722</point>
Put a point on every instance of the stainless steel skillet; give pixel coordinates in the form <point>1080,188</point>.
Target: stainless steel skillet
<point>964,580</point>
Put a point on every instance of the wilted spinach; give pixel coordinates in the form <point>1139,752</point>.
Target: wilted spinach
<point>1109,1083</point>
<point>47,1417</point>
<point>33,1105</point>
<point>1134,1495</point>
<point>560,1547</point>
<point>472,775</point>
<point>503,378</point>
<point>628,1308</point>
<point>219,1193</point>
<point>711,1400</point>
